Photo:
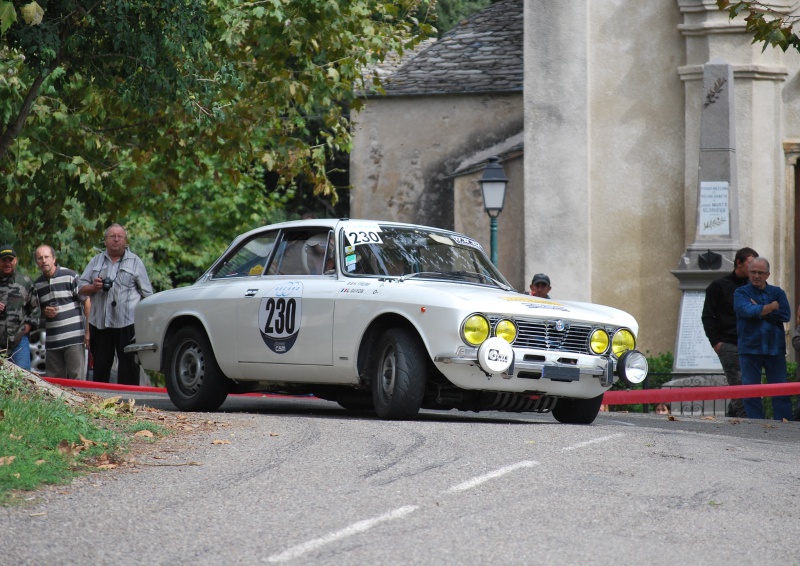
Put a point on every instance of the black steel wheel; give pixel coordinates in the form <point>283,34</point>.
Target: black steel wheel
<point>398,382</point>
<point>194,380</point>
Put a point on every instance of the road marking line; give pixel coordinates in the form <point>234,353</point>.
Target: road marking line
<point>593,441</point>
<point>354,529</point>
<point>469,484</point>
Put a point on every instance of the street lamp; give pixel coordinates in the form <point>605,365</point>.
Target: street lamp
<point>493,188</point>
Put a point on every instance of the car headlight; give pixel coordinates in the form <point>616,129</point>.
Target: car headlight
<point>506,330</point>
<point>475,329</point>
<point>599,341</point>
<point>622,341</point>
<point>632,367</point>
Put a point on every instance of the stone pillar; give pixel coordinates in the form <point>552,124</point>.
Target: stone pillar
<point>557,177</point>
<point>716,240</point>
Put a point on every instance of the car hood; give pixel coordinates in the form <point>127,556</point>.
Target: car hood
<point>496,301</point>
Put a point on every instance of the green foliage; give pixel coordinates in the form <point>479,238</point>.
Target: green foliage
<point>450,13</point>
<point>209,143</point>
<point>765,22</point>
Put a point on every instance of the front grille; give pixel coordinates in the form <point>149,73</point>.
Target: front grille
<point>544,335</point>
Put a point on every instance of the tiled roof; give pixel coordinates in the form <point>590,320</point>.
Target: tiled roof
<point>481,54</point>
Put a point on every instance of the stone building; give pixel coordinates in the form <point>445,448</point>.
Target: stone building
<point>608,143</point>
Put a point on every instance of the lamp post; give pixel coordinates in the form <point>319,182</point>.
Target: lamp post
<point>493,189</point>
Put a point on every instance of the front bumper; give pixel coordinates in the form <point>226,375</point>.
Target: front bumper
<point>552,365</point>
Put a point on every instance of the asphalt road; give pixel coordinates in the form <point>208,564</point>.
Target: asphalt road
<point>302,481</point>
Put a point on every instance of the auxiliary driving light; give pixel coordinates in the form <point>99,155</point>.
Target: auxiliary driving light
<point>632,367</point>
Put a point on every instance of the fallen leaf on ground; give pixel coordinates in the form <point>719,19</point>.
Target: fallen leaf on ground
<point>37,515</point>
<point>274,434</point>
<point>40,462</point>
<point>69,449</point>
<point>708,418</point>
<point>671,418</point>
<point>6,460</point>
<point>144,433</point>
<point>220,441</point>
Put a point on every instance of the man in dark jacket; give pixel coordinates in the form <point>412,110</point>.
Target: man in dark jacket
<point>719,322</point>
<point>761,312</point>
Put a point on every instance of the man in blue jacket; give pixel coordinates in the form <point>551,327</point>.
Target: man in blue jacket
<point>761,310</point>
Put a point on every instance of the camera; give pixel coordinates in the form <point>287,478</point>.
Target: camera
<point>107,283</point>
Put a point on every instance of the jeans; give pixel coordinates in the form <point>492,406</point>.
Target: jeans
<point>21,354</point>
<point>775,368</point>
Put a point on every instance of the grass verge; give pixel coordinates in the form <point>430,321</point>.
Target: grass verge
<point>44,440</point>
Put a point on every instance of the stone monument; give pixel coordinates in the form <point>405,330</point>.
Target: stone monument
<point>711,254</point>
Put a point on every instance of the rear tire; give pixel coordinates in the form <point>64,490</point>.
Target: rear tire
<point>194,380</point>
<point>577,411</point>
<point>398,382</point>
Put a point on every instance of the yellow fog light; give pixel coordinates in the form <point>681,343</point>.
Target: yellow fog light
<point>475,329</point>
<point>506,330</point>
<point>622,341</point>
<point>599,341</point>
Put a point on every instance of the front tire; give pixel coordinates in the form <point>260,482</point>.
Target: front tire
<point>577,411</point>
<point>398,382</point>
<point>194,380</point>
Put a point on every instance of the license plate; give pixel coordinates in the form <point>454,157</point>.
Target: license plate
<point>561,373</point>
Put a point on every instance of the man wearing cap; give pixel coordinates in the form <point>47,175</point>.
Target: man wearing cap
<point>19,310</point>
<point>540,286</point>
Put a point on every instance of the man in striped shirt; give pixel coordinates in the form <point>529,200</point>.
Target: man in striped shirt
<point>62,319</point>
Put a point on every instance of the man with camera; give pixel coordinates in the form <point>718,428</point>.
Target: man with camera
<point>116,280</point>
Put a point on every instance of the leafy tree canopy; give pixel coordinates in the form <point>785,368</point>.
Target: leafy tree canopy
<point>766,22</point>
<point>188,128</point>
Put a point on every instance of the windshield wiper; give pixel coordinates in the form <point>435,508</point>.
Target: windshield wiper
<point>432,274</point>
<point>458,276</point>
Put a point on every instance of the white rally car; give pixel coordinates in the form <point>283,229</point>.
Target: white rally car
<point>381,316</point>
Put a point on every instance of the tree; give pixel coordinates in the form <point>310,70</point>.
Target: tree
<point>270,101</point>
<point>449,13</point>
<point>148,50</point>
<point>765,22</point>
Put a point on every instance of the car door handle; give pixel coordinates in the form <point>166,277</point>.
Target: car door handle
<point>250,292</point>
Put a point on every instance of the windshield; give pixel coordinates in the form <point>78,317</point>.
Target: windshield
<point>390,251</point>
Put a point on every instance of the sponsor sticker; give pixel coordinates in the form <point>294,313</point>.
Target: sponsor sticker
<point>464,241</point>
<point>536,303</point>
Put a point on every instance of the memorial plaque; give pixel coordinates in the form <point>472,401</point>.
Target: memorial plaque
<point>715,214</point>
<point>693,352</point>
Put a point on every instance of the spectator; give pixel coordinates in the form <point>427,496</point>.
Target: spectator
<point>761,310</point>
<point>662,409</point>
<point>19,310</point>
<point>719,322</point>
<point>540,286</point>
<point>67,333</point>
<point>116,280</point>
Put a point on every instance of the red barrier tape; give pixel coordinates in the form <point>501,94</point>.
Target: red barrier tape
<point>81,384</point>
<point>667,395</point>
<point>633,397</point>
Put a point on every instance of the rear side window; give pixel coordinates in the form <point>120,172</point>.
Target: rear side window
<point>249,259</point>
<point>308,251</point>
